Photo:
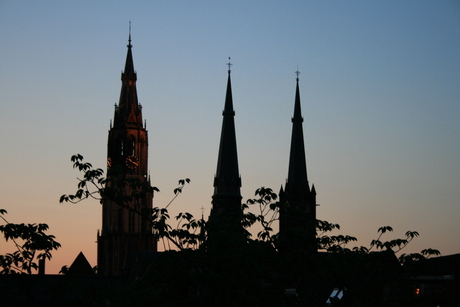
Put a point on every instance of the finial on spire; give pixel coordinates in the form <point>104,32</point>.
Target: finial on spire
<point>202,212</point>
<point>129,38</point>
<point>229,65</point>
<point>297,73</point>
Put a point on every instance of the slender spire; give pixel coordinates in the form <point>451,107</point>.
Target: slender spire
<point>297,230</point>
<point>129,66</point>
<point>224,228</point>
<point>129,110</point>
<point>227,180</point>
<point>297,176</point>
<point>227,174</point>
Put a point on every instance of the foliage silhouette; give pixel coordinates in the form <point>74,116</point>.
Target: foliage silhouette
<point>126,192</point>
<point>188,234</point>
<point>32,244</point>
<point>253,273</point>
<point>268,205</point>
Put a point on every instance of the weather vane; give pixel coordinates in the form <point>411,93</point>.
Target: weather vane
<point>297,72</point>
<point>229,65</point>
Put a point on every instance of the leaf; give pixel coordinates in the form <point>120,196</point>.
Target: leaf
<point>412,234</point>
<point>385,229</point>
<point>430,252</point>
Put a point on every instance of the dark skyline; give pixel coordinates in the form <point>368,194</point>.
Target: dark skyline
<point>379,87</point>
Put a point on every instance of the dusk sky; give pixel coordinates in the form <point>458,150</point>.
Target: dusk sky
<point>380,93</point>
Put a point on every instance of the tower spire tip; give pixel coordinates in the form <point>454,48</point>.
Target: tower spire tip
<point>229,65</point>
<point>129,37</point>
<point>297,73</point>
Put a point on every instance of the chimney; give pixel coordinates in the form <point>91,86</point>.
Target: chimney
<point>41,267</point>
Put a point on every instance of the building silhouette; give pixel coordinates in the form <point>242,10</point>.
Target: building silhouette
<point>224,226</point>
<point>126,227</point>
<point>231,270</point>
<point>297,222</point>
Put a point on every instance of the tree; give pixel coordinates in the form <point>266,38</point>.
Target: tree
<point>268,206</point>
<point>188,232</point>
<point>268,214</point>
<point>93,185</point>
<point>253,270</point>
<point>31,242</point>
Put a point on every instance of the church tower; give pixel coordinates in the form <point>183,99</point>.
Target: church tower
<point>226,213</point>
<point>126,229</point>
<point>298,202</point>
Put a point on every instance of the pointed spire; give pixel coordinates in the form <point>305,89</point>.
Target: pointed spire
<point>224,228</point>
<point>297,176</point>
<point>297,110</point>
<point>129,38</point>
<point>297,230</point>
<point>228,107</point>
<point>129,111</point>
<point>227,180</point>
<point>129,66</point>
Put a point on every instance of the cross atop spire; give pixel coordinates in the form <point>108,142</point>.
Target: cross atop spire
<point>129,38</point>
<point>297,73</point>
<point>229,65</point>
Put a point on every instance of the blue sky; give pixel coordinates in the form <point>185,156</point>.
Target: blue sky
<point>380,89</point>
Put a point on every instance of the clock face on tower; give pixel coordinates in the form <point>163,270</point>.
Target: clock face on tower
<point>131,162</point>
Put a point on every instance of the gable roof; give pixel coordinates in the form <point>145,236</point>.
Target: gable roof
<point>80,266</point>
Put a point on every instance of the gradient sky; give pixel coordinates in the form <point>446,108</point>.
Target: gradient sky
<point>379,83</point>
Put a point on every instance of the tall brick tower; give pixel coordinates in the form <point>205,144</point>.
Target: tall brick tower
<point>125,231</point>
